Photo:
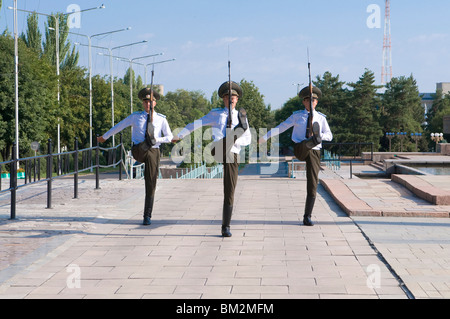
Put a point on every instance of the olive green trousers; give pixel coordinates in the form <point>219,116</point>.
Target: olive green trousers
<point>312,159</point>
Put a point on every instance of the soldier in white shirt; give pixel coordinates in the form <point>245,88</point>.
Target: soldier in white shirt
<point>228,139</point>
<point>150,129</point>
<point>307,148</point>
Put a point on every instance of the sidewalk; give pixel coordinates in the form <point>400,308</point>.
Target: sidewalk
<point>407,220</point>
<point>96,247</point>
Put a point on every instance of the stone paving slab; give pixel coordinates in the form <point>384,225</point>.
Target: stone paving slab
<point>423,187</point>
<point>418,249</point>
<point>383,197</point>
<point>347,200</point>
<point>96,247</point>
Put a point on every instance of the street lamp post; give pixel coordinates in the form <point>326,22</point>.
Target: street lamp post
<point>390,136</point>
<point>90,72</point>
<point>16,66</point>
<point>437,137</point>
<point>159,62</point>
<point>416,137</point>
<point>298,85</point>
<point>57,60</point>
<point>112,77</point>
<point>402,136</point>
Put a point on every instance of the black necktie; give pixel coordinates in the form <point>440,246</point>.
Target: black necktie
<point>150,132</point>
<point>308,128</point>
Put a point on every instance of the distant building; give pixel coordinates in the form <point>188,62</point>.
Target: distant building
<point>160,88</point>
<point>427,98</point>
<point>444,87</point>
<point>427,101</point>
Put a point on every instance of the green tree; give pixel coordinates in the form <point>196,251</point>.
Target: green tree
<point>435,119</point>
<point>33,37</point>
<point>37,98</point>
<point>292,105</point>
<point>68,57</point>
<point>334,105</point>
<point>362,112</point>
<point>191,105</point>
<point>74,108</point>
<point>402,110</point>
<point>259,115</point>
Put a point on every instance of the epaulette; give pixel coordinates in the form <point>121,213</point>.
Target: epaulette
<point>296,112</point>
<point>322,114</point>
<point>162,115</point>
<point>219,109</point>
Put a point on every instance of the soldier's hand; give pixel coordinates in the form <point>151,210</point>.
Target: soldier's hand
<point>176,139</point>
<point>100,139</point>
<point>261,140</point>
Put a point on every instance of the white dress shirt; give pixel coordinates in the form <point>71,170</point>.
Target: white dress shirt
<point>217,119</point>
<point>299,120</point>
<point>138,120</point>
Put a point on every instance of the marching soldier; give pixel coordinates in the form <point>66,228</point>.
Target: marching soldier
<point>228,139</point>
<point>150,129</point>
<point>307,148</point>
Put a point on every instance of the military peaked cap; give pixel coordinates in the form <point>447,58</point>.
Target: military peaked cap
<point>235,89</point>
<point>145,94</point>
<point>306,93</point>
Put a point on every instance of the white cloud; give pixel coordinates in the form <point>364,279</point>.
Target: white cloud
<point>426,38</point>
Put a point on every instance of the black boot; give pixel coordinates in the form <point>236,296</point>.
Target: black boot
<point>314,140</point>
<point>242,116</point>
<point>309,205</point>
<point>240,129</point>
<point>148,210</point>
<point>226,220</point>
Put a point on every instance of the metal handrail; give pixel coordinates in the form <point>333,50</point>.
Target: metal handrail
<point>61,172</point>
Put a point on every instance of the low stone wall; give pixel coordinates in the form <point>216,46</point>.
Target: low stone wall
<point>443,148</point>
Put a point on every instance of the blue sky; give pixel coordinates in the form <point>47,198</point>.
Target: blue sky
<point>266,41</point>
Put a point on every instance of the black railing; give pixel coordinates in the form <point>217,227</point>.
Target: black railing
<point>349,151</point>
<point>58,166</point>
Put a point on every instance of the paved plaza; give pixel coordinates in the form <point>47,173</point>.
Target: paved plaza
<point>96,247</point>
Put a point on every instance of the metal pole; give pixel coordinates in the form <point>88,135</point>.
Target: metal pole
<point>131,96</point>
<point>121,157</point>
<point>16,62</point>
<point>75,161</point>
<point>59,89</point>
<point>97,166</point>
<point>112,94</point>
<point>49,174</point>
<point>13,182</point>
<point>90,92</point>
<point>351,170</point>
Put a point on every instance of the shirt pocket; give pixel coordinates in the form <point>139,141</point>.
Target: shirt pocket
<point>222,121</point>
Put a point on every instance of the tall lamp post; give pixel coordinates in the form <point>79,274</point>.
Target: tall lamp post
<point>90,71</point>
<point>16,66</point>
<point>159,62</point>
<point>57,60</point>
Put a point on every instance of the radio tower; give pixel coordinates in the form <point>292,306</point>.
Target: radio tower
<point>386,71</point>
